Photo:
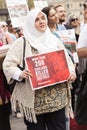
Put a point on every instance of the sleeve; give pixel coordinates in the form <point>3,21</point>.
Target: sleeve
<point>16,75</point>
<point>82,42</point>
<point>13,59</point>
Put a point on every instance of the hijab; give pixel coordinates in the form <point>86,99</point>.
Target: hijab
<point>41,41</point>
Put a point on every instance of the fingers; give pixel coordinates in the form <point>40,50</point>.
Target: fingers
<point>72,77</point>
<point>26,74</point>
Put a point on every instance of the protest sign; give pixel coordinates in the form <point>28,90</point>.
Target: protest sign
<point>47,69</point>
<point>69,40</point>
<point>40,4</point>
<point>68,37</point>
<point>17,9</point>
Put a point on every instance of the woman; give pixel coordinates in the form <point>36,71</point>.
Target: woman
<point>5,108</point>
<point>52,23</point>
<point>74,23</point>
<point>52,19</point>
<point>7,36</point>
<point>39,113</point>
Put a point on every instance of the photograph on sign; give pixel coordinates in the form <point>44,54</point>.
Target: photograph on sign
<point>18,10</point>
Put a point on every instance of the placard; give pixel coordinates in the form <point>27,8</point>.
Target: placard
<point>17,9</point>
<point>40,4</point>
<point>69,40</point>
<point>48,69</point>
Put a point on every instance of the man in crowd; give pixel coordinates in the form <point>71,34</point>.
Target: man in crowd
<point>61,18</point>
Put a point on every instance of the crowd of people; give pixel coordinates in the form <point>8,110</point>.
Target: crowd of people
<point>50,107</point>
<point>8,35</point>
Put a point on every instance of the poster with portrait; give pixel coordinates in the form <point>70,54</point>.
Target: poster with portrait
<point>47,69</point>
<point>17,9</point>
<point>40,4</point>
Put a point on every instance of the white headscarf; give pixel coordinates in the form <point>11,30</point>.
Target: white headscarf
<point>42,41</point>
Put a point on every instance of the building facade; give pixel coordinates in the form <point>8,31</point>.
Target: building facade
<point>71,6</point>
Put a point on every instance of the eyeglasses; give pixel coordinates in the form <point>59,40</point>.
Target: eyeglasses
<point>10,25</point>
<point>85,5</point>
<point>4,26</point>
<point>74,19</point>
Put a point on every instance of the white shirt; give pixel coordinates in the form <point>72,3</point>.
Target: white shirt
<point>82,42</point>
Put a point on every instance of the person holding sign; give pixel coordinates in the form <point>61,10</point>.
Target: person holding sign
<point>45,107</point>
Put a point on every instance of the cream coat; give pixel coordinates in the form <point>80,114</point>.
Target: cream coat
<point>23,92</point>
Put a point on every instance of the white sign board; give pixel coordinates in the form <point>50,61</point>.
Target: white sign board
<point>40,4</point>
<point>17,9</point>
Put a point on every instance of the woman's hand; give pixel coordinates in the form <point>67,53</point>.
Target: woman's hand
<point>72,77</point>
<point>25,74</point>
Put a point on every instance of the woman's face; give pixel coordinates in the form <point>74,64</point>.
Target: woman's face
<point>75,22</point>
<point>41,22</point>
<point>4,28</point>
<point>52,17</point>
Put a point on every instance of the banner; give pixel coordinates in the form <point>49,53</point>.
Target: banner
<point>47,69</point>
<point>40,4</point>
<point>17,9</point>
